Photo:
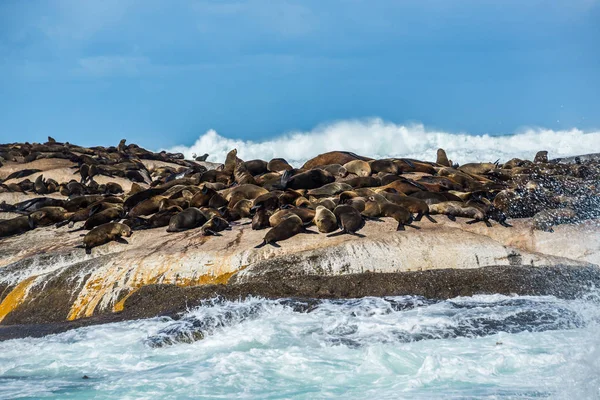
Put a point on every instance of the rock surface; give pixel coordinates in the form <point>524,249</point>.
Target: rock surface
<point>52,281</point>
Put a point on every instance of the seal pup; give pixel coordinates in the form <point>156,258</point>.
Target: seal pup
<point>112,231</point>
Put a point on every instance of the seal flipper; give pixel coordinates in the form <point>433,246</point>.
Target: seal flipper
<point>310,232</point>
<point>121,240</point>
<point>264,243</point>
<point>62,223</point>
<point>473,221</point>
<point>287,175</point>
<point>342,232</point>
<point>210,232</point>
<point>505,224</point>
<point>360,235</point>
<point>419,216</point>
<point>487,223</point>
<point>400,226</point>
<point>274,244</point>
<point>429,217</point>
<point>451,217</point>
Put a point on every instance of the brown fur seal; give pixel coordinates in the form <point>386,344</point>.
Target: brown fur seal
<point>187,219</point>
<point>388,209</point>
<point>16,226</point>
<point>442,158</point>
<point>325,220</point>
<point>332,157</point>
<point>147,207</point>
<point>104,234</point>
<point>364,181</point>
<point>336,170</point>
<point>349,220</point>
<point>358,167</point>
<point>278,165</point>
<point>312,179</point>
<point>453,209</point>
<point>384,165</point>
<point>244,191</point>
<point>49,215</point>
<point>260,220</point>
<point>541,157</point>
<point>286,229</point>
<point>214,225</point>
<point>110,214</point>
<point>330,189</point>
<point>412,204</point>
<point>256,167</point>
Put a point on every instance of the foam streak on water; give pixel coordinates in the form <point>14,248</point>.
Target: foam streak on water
<point>379,139</point>
<point>400,347</point>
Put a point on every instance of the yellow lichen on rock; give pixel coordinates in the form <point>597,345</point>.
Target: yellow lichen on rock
<point>15,297</point>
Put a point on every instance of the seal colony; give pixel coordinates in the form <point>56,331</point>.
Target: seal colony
<point>189,223</point>
<point>336,191</point>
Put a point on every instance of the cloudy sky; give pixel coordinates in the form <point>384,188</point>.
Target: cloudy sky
<point>162,73</point>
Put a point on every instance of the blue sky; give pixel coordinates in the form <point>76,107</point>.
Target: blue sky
<point>162,73</point>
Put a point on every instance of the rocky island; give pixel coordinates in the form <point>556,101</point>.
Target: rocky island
<point>90,235</point>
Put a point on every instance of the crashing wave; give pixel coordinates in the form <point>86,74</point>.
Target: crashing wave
<point>379,139</point>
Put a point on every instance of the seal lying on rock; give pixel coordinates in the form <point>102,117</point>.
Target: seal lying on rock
<point>105,233</point>
<point>289,227</point>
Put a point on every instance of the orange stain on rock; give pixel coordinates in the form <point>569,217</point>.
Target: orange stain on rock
<point>15,297</point>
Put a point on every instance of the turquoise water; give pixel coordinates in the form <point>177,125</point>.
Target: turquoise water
<point>399,347</point>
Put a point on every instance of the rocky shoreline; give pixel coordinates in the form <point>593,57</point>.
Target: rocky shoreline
<point>48,284</point>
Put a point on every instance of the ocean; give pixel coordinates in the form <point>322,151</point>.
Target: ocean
<point>484,346</point>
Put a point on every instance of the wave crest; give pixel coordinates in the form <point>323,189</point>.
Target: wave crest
<point>379,139</point>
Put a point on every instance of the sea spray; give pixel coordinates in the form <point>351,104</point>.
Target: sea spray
<point>379,139</point>
<point>398,347</point>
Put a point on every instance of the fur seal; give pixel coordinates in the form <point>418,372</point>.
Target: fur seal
<point>349,220</point>
<point>330,189</point>
<point>16,226</point>
<point>278,165</point>
<point>110,214</point>
<point>325,220</point>
<point>289,227</point>
<point>106,233</point>
<point>256,167</point>
<point>412,204</point>
<point>336,170</point>
<point>214,225</point>
<point>147,207</point>
<point>453,209</point>
<point>541,157</point>
<point>187,219</point>
<point>388,209</point>
<point>311,179</point>
<point>442,158</point>
<point>260,220</point>
<point>332,157</point>
<point>358,167</point>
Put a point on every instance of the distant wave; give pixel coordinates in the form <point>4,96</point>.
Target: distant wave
<point>378,139</point>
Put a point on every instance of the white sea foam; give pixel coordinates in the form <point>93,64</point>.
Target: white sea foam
<point>402,347</point>
<point>378,139</point>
